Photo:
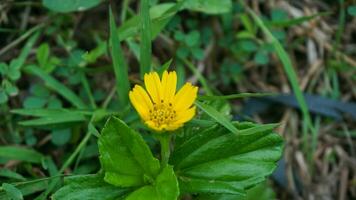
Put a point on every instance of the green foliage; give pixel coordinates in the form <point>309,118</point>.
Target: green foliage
<point>90,187</point>
<point>145,48</point>
<point>190,44</point>
<point>61,136</point>
<point>65,6</point>
<point>130,165</point>
<point>21,154</point>
<point>216,115</point>
<point>227,169</point>
<point>209,6</point>
<point>289,70</point>
<point>12,192</point>
<point>12,175</point>
<point>57,86</point>
<point>261,191</point>
<point>213,157</point>
<point>119,63</point>
<point>51,117</point>
<point>352,10</point>
<point>10,73</point>
<point>164,187</point>
<point>133,164</point>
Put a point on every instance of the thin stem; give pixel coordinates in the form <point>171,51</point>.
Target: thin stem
<point>165,140</point>
<point>109,97</point>
<point>86,86</point>
<point>76,152</point>
<point>20,39</point>
<point>68,162</point>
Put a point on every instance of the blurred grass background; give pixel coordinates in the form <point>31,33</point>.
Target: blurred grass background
<point>60,80</point>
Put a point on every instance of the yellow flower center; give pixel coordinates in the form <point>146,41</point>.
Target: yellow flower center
<point>162,114</point>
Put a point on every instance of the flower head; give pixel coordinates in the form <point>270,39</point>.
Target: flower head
<point>160,107</point>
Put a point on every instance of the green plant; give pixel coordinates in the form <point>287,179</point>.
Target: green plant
<point>211,155</point>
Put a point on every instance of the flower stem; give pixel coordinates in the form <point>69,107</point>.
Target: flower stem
<point>165,139</point>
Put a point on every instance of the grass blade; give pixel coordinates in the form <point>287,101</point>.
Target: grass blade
<point>54,120</point>
<point>235,96</point>
<point>145,51</point>
<point>20,153</point>
<point>25,51</point>
<point>57,86</point>
<point>49,112</point>
<point>217,116</point>
<point>200,77</point>
<point>288,68</point>
<point>11,174</point>
<point>120,67</point>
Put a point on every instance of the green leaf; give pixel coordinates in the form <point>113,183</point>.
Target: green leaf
<point>57,86</point>
<point>146,49</point>
<point>61,136</point>
<point>4,68</point>
<point>193,38</point>
<point>215,161</point>
<point>89,187</point>
<point>165,187</point>
<point>39,90</point>
<point>160,16</point>
<point>261,191</point>
<point>69,5</point>
<point>42,55</point>
<point>3,96</point>
<point>14,74</point>
<point>198,53</point>
<point>10,174</point>
<point>53,117</point>
<point>209,6</point>
<point>296,21</point>
<point>248,45</point>
<point>164,67</point>
<point>120,67</point>
<point>20,153</point>
<point>132,164</point>
<point>10,88</point>
<point>261,58</point>
<point>19,62</point>
<point>94,54</point>
<point>34,102</point>
<point>279,15</point>
<point>28,187</point>
<point>235,96</point>
<point>12,192</point>
<point>50,112</point>
<point>54,120</point>
<point>352,10</point>
<point>221,197</point>
<point>217,116</point>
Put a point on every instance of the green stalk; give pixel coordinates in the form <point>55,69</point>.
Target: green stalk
<point>165,139</point>
<point>66,164</point>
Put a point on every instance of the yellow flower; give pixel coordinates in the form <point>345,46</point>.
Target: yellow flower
<point>162,108</point>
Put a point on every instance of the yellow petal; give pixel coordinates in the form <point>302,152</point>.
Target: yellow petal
<point>153,86</point>
<point>141,101</point>
<point>173,126</point>
<point>169,84</point>
<point>185,97</point>
<point>153,126</point>
<point>185,116</point>
<point>164,88</point>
